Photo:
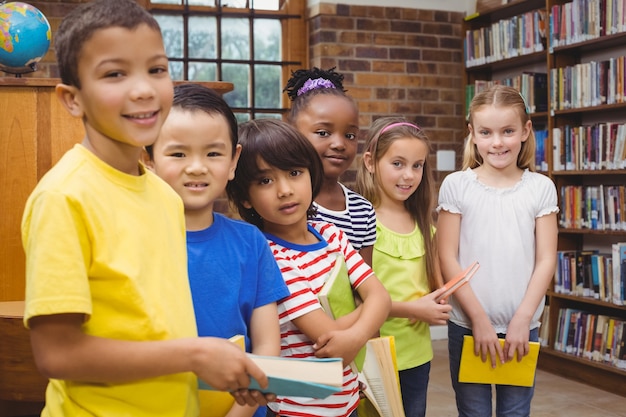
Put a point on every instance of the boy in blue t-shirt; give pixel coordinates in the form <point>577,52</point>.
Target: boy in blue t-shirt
<point>235,281</point>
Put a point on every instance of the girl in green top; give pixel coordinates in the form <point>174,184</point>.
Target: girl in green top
<point>396,178</point>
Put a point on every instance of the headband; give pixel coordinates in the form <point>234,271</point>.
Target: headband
<point>391,126</point>
<point>314,85</point>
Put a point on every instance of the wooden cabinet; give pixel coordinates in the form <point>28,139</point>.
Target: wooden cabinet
<point>573,55</point>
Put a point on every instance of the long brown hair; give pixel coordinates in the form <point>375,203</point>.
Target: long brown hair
<point>421,204</point>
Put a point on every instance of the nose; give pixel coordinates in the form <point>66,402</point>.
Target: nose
<point>284,188</point>
<point>195,167</point>
<point>337,141</point>
<point>142,88</point>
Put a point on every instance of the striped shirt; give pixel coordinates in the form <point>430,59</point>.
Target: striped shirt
<point>358,220</point>
<point>305,269</point>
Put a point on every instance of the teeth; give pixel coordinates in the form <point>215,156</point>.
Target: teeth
<point>142,116</point>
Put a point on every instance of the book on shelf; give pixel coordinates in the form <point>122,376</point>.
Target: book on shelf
<point>295,377</point>
<point>337,300</point>
<point>458,281</point>
<point>519,373</point>
<point>382,383</point>
<point>618,254</point>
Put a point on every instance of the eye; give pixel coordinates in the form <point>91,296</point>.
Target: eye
<point>418,165</point>
<point>214,154</point>
<point>113,74</point>
<point>509,131</point>
<point>323,133</point>
<point>158,70</point>
<point>483,132</point>
<point>177,155</point>
<point>295,173</point>
<point>264,181</point>
<point>396,164</point>
<point>351,136</point>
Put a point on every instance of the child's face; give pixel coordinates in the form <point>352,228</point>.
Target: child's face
<point>400,170</point>
<point>193,154</point>
<point>498,134</point>
<point>126,91</point>
<point>331,124</point>
<point>281,198</point>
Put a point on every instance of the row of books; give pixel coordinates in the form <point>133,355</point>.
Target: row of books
<point>582,20</point>
<point>594,207</point>
<point>596,337</point>
<point>599,146</point>
<point>588,84</point>
<point>590,273</point>
<point>533,86</point>
<point>507,38</point>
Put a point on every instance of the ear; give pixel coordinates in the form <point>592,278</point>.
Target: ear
<point>147,161</point>
<point>233,162</point>
<point>471,133</point>
<point>69,96</point>
<point>246,204</point>
<point>527,129</point>
<point>368,162</point>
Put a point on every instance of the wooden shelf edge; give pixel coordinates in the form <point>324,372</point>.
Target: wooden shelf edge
<point>600,376</point>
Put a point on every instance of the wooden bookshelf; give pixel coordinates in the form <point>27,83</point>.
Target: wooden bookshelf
<point>603,375</point>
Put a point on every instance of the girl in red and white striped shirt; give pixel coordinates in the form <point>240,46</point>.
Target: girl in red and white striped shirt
<point>277,177</point>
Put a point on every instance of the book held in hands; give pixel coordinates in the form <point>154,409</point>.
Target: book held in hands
<point>458,281</point>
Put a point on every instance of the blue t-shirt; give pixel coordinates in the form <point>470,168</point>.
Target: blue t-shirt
<point>231,272</point>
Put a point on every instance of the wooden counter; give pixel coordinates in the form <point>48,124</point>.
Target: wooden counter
<point>22,388</point>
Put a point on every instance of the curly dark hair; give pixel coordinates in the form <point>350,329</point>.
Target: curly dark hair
<point>300,99</point>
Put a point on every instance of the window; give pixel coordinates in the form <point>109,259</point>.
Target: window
<point>253,44</point>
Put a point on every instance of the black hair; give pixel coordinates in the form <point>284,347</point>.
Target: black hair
<point>280,145</point>
<point>196,97</point>
<point>326,82</point>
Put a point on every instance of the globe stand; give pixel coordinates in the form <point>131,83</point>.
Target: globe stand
<point>18,71</point>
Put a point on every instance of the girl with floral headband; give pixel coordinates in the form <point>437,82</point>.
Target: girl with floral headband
<point>329,119</point>
<point>396,177</point>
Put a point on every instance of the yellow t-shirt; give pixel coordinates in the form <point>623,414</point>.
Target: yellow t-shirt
<point>111,246</point>
<point>399,263</point>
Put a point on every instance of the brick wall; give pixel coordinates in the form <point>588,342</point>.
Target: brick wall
<point>396,61</point>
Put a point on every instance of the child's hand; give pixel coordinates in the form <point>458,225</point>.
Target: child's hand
<point>486,343</point>
<point>343,344</point>
<point>516,340</point>
<point>428,310</point>
<point>225,367</point>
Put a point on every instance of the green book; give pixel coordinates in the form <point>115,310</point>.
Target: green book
<point>337,300</point>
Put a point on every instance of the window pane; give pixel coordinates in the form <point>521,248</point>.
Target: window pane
<point>239,4</point>
<point>166,2</point>
<point>268,116</point>
<point>242,117</point>
<point>202,37</point>
<point>239,75</point>
<point>172,29</point>
<point>265,4</point>
<point>176,71</point>
<point>235,38</point>
<point>202,2</point>
<point>267,45</point>
<point>201,71</point>
<point>267,88</point>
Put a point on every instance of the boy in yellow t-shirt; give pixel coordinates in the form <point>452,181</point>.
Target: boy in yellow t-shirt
<point>108,303</point>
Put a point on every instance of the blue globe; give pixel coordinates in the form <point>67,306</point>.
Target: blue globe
<point>24,37</point>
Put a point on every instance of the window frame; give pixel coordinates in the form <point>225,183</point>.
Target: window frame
<point>294,45</point>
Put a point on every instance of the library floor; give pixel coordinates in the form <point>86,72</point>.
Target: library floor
<point>554,396</point>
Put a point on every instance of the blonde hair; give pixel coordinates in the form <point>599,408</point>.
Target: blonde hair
<point>500,96</point>
<point>421,204</point>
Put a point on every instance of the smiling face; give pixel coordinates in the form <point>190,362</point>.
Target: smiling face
<point>126,91</point>
<point>282,198</point>
<point>330,123</point>
<point>193,154</point>
<point>399,171</point>
<point>498,134</point>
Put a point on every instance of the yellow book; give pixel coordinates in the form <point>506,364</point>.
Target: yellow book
<point>474,370</point>
<point>218,403</point>
<point>380,375</point>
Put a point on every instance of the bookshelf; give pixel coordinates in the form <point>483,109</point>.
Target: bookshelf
<point>582,154</point>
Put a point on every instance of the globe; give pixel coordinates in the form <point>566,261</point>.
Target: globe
<point>24,37</point>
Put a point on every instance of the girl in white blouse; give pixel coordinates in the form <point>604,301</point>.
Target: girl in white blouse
<point>497,211</point>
